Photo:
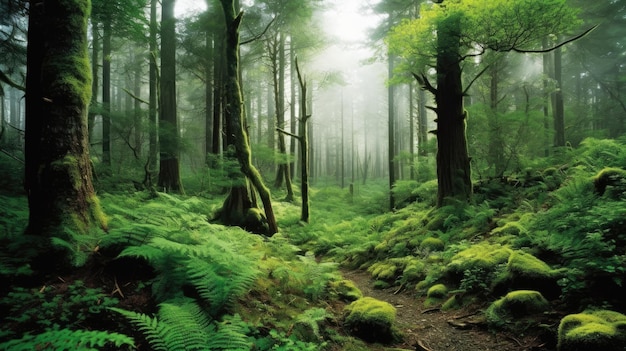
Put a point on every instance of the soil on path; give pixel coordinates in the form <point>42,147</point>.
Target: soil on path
<point>430,329</point>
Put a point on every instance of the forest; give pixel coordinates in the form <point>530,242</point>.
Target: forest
<point>295,175</point>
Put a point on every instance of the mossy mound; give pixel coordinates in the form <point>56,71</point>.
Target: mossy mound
<point>597,330</point>
<point>432,244</point>
<point>481,256</point>
<point>612,181</point>
<point>511,311</point>
<point>370,319</point>
<point>525,271</point>
<point>346,290</point>
<point>435,295</point>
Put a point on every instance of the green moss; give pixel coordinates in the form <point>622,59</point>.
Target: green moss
<point>453,303</point>
<point>383,270</point>
<point>371,319</point>
<point>610,178</point>
<point>414,270</point>
<point>480,256</point>
<point>437,291</point>
<point>527,265</point>
<point>510,310</point>
<point>596,330</point>
<point>435,295</point>
<point>432,244</point>
<point>69,165</point>
<point>346,290</point>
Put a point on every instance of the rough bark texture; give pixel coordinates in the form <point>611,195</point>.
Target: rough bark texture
<point>236,133</point>
<point>453,165</point>
<point>169,172</point>
<point>58,169</point>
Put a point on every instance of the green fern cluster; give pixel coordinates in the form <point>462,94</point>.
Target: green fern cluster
<point>70,340</point>
<point>184,325</point>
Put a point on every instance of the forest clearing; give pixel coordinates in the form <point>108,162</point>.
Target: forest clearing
<point>291,175</point>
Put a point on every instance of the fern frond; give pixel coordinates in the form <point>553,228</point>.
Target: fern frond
<point>154,331</point>
<point>71,340</point>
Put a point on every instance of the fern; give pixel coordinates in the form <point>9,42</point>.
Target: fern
<point>71,340</point>
<point>183,325</point>
<point>312,317</point>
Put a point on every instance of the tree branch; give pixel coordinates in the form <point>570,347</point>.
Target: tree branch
<point>474,79</point>
<point>4,78</point>
<point>425,83</point>
<point>258,36</point>
<point>287,133</point>
<point>543,51</point>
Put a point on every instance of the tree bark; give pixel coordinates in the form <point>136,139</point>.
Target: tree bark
<point>169,172</point>
<point>391,131</point>
<point>106,94</point>
<point>151,164</point>
<point>58,177</point>
<point>453,164</point>
<point>559,114</point>
<point>236,133</point>
<point>95,42</point>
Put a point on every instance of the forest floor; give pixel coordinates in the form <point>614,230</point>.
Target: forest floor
<point>430,329</point>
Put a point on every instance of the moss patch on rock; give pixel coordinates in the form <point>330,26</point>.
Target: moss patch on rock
<point>510,312</point>
<point>346,290</point>
<point>435,295</point>
<point>371,320</point>
<point>484,256</point>
<point>595,330</point>
<point>612,181</point>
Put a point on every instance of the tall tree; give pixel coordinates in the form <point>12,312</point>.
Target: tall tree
<point>58,169</point>
<point>169,169</point>
<point>468,28</point>
<point>238,206</point>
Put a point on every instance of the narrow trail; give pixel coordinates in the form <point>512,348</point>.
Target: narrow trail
<point>430,329</point>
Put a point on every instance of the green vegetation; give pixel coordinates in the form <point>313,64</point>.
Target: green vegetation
<point>592,330</point>
<point>165,269</point>
<point>371,319</point>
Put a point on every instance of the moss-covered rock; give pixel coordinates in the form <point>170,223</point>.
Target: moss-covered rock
<point>385,270</point>
<point>525,271</point>
<point>435,295</point>
<point>346,290</point>
<point>482,256</point>
<point>596,330</point>
<point>432,244</point>
<point>371,320</point>
<point>510,311</point>
<point>453,303</point>
<point>613,179</point>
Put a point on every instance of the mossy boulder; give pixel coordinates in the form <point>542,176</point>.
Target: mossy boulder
<point>595,330</point>
<point>432,244</point>
<point>371,320</point>
<point>435,295</point>
<point>346,290</point>
<point>513,310</point>
<point>480,256</point>
<point>612,181</point>
<point>525,271</point>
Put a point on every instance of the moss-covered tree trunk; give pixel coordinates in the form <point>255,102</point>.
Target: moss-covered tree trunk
<point>169,171</point>
<point>236,134</point>
<point>58,169</point>
<point>453,165</point>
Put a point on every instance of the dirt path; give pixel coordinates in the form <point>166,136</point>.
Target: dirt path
<point>429,329</point>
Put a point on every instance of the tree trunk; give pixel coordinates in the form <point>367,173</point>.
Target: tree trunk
<point>304,147</point>
<point>169,172</point>
<point>292,105</point>
<point>106,95</point>
<point>422,128</point>
<point>391,137</point>
<point>559,115</point>
<point>95,42</point>
<point>453,165</point>
<point>208,93</point>
<point>58,169</point>
<point>235,131</point>
<point>150,166</point>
